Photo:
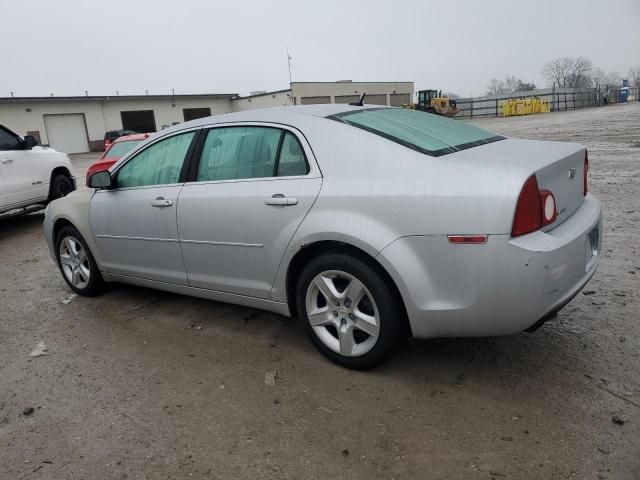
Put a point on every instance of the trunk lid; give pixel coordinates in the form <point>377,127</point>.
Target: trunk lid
<point>564,178</point>
<point>558,166</point>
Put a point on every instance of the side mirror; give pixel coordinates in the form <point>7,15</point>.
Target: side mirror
<point>30,142</point>
<point>100,180</point>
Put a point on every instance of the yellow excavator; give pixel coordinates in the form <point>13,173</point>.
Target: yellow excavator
<point>432,101</point>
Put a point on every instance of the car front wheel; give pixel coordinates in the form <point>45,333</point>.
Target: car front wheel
<point>349,310</point>
<point>76,263</point>
<point>61,187</point>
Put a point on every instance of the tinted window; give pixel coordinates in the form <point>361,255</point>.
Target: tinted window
<point>425,132</point>
<point>119,149</point>
<point>238,152</point>
<point>8,141</point>
<point>158,164</point>
<point>292,161</point>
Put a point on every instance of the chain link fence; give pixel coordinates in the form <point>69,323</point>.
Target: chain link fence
<point>556,99</point>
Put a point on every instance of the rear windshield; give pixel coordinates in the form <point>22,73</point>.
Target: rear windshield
<point>425,132</point>
<point>119,149</point>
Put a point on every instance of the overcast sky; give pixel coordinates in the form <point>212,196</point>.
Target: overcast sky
<point>67,47</point>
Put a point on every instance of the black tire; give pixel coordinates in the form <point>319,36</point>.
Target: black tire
<point>95,283</point>
<point>392,324</point>
<point>60,187</point>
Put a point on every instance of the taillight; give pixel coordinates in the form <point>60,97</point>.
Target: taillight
<point>585,172</point>
<point>535,209</point>
<point>528,217</point>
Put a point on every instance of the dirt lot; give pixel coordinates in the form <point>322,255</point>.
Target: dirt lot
<point>141,384</point>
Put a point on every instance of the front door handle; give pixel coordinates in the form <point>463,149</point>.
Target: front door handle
<point>7,160</point>
<point>161,202</point>
<point>280,200</point>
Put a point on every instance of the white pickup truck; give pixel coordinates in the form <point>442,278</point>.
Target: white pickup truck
<point>31,176</point>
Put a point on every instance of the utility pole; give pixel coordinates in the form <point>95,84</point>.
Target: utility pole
<point>289,62</point>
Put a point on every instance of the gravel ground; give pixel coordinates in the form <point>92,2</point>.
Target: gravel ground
<point>142,384</point>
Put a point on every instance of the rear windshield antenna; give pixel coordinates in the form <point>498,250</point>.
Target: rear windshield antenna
<point>359,103</point>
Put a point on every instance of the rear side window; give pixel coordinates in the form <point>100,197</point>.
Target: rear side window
<point>231,153</point>
<point>424,132</point>
<point>292,160</point>
<point>159,164</point>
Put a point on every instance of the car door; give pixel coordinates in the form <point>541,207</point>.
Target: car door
<point>252,187</point>
<point>3,193</point>
<point>21,169</point>
<point>134,223</point>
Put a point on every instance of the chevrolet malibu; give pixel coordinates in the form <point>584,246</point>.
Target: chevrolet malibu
<point>366,223</point>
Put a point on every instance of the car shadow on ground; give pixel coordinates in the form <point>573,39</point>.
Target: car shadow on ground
<point>12,224</point>
<point>498,361</point>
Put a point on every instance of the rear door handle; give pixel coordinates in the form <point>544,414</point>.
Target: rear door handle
<point>280,200</point>
<point>161,202</point>
<point>7,160</point>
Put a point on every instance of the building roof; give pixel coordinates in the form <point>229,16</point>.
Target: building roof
<point>239,97</point>
<point>109,98</point>
<point>342,82</point>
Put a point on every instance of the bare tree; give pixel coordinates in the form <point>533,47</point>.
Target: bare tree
<point>613,79</point>
<point>496,87</point>
<point>578,73</point>
<point>556,71</point>
<point>526,86</point>
<point>634,76</point>
<point>598,77</point>
<point>510,84</point>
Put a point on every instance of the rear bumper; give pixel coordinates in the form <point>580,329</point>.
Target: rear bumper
<point>501,287</point>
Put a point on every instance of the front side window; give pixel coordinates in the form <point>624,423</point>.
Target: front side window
<point>425,132</point>
<point>159,164</point>
<point>232,153</point>
<point>8,141</point>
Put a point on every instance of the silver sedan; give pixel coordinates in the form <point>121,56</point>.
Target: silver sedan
<point>368,224</point>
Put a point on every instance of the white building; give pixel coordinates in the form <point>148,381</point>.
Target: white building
<point>344,91</point>
<point>78,124</point>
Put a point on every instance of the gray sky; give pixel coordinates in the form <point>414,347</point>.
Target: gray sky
<point>193,46</point>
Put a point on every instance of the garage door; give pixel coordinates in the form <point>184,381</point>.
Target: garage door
<point>399,99</point>
<point>141,121</point>
<point>346,98</point>
<point>378,99</point>
<point>315,100</point>
<point>67,133</point>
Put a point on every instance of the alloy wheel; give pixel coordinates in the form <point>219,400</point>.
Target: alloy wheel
<point>342,313</point>
<point>74,262</point>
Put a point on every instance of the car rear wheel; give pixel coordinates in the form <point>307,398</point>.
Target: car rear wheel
<point>76,263</point>
<point>349,310</point>
<point>61,187</point>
